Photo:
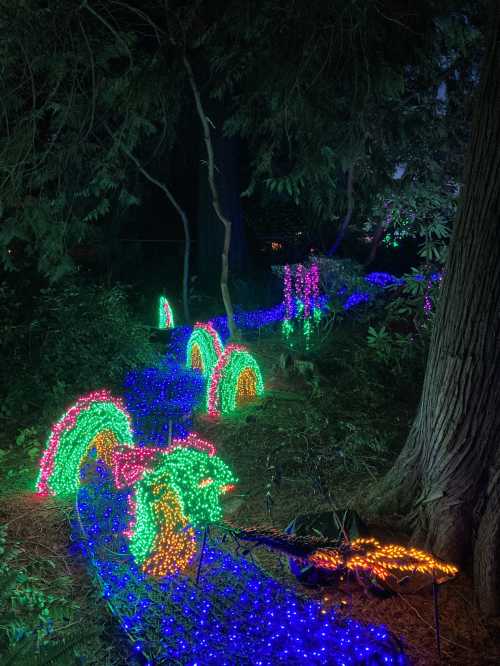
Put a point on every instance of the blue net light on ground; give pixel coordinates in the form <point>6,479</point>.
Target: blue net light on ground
<point>157,396</point>
<point>236,614</point>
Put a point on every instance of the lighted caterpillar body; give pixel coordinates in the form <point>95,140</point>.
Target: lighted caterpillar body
<point>233,375</point>
<point>172,490</point>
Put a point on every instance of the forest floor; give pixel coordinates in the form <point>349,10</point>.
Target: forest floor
<point>321,435</point>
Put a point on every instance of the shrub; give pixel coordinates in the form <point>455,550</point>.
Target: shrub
<point>64,341</point>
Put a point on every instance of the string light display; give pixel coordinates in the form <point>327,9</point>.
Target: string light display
<point>161,401</point>
<point>204,348</point>
<point>304,302</point>
<point>193,441</point>
<point>165,314</point>
<point>105,444</point>
<point>381,561</point>
<point>227,389</point>
<point>181,493</point>
<point>129,465</point>
<point>383,280</point>
<point>175,544</point>
<point>184,469</point>
<point>71,436</point>
<point>356,298</point>
<point>232,613</point>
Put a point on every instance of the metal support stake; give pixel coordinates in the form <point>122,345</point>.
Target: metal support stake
<point>205,531</point>
<point>435,597</point>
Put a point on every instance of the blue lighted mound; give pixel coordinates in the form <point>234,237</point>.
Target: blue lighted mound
<point>156,396</point>
<point>237,615</point>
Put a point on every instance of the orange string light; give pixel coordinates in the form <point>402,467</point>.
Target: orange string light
<point>246,388</point>
<point>196,360</point>
<point>382,560</point>
<point>105,444</point>
<point>175,544</point>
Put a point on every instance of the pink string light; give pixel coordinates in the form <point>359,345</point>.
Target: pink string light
<point>313,275</point>
<point>300,282</point>
<point>67,422</point>
<point>193,441</point>
<point>129,465</point>
<point>287,288</point>
<point>208,327</point>
<point>217,373</point>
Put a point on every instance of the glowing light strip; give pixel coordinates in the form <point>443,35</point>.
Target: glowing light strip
<point>206,341</point>
<point>383,560</point>
<point>193,441</point>
<point>222,391</point>
<point>69,421</point>
<point>165,314</point>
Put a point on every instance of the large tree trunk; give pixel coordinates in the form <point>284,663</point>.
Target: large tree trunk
<point>448,473</point>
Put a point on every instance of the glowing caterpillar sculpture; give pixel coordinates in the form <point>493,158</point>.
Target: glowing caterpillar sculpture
<point>173,490</point>
<point>178,489</point>
<point>233,375</point>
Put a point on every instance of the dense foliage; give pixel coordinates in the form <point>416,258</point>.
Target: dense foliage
<point>62,342</point>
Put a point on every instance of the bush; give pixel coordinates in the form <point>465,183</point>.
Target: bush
<point>65,341</point>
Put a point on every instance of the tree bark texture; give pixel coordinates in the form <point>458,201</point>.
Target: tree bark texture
<point>350,209</point>
<point>448,473</point>
<point>226,297</point>
<point>377,237</point>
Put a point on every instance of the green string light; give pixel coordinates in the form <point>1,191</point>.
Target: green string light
<point>226,390</point>
<point>204,348</point>
<point>74,443</point>
<point>198,481</point>
<point>165,314</point>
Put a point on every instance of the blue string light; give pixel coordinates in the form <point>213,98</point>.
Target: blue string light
<point>157,396</point>
<point>234,615</point>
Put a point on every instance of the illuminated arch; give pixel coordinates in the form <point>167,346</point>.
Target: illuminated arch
<point>235,380</point>
<point>204,348</point>
<point>96,420</point>
<point>165,314</point>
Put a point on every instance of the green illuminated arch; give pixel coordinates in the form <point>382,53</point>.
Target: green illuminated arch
<point>74,443</point>
<point>203,349</point>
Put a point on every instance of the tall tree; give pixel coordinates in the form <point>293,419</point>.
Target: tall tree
<point>447,476</point>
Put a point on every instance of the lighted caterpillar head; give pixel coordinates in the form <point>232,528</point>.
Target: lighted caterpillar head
<point>199,481</point>
<point>183,492</point>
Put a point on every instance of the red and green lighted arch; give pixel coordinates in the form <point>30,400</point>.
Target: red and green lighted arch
<point>235,380</point>
<point>165,314</point>
<point>204,348</point>
<point>97,419</point>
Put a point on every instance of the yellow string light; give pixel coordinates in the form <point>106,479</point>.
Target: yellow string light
<point>196,360</point>
<point>382,560</point>
<point>246,388</point>
<point>175,544</point>
<point>104,443</point>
